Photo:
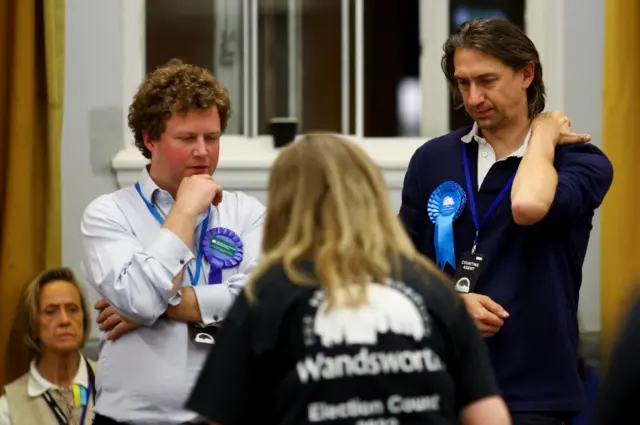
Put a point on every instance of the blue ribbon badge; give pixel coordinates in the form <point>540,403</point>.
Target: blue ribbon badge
<point>223,250</point>
<point>445,205</point>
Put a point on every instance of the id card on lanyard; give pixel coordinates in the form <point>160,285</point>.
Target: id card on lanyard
<point>471,263</point>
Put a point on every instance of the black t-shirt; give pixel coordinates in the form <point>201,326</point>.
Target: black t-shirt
<point>411,355</point>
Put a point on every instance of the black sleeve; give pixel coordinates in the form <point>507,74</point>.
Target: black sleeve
<point>617,401</point>
<point>585,175</point>
<point>471,368</point>
<point>225,384</point>
<point>413,211</point>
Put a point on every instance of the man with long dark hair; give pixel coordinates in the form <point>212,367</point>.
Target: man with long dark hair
<point>505,206</point>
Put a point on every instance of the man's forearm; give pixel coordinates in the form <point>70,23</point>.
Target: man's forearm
<point>535,183</point>
<point>188,310</point>
<point>180,224</point>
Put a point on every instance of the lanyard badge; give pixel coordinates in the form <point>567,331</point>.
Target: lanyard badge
<point>471,263</point>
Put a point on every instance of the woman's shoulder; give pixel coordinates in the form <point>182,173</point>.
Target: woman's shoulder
<point>276,282</point>
<point>17,383</point>
<point>427,279</point>
<point>14,392</point>
<point>434,287</point>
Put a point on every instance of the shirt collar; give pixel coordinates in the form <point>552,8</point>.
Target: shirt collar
<point>148,187</point>
<point>37,385</point>
<point>473,135</point>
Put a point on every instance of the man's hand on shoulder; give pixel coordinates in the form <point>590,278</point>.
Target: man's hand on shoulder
<point>488,315</point>
<point>558,126</point>
<point>535,184</point>
<point>112,322</point>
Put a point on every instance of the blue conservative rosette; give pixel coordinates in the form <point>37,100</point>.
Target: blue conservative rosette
<point>222,248</point>
<point>444,206</point>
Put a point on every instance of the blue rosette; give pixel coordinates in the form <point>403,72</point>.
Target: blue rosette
<point>223,249</point>
<point>444,206</point>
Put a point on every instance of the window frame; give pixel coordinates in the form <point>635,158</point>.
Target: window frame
<point>544,22</point>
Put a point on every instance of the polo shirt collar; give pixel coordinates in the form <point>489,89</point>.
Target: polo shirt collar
<point>37,385</point>
<point>474,134</point>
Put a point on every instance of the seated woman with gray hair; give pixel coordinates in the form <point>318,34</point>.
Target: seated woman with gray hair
<point>59,387</point>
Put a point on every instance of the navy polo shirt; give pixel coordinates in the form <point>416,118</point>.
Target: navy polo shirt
<point>534,272</point>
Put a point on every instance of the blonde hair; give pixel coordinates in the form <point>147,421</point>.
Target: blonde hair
<point>328,203</point>
<point>32,305</point>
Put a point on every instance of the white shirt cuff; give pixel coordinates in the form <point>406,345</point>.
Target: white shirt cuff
<point>176,299</point>
<point>213,301</point>
<point>170,251</point>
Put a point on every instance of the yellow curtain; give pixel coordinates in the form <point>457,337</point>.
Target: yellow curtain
<point>31,95</point>
<point>620,245</point>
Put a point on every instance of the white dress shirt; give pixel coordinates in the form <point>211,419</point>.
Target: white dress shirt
<point>37,385</point>
<point>486,154</point>
<point>145,376</point>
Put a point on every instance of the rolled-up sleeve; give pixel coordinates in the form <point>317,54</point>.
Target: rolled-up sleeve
<point>215,300</point>
<point>585,175</point>
<point>135,279</point>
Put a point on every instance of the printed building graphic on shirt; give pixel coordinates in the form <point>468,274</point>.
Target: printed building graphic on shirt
<point>392,309</point>
<point>388,310</point>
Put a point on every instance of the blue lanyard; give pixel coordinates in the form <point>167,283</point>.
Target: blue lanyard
<point>205,224</point>
<point>472,203</point>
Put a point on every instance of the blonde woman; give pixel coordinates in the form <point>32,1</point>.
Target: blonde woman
<point>343,322</point>
<point>59,387</point>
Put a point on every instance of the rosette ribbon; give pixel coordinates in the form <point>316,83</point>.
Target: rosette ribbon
<point>444,206</point>
<point>223,249</point>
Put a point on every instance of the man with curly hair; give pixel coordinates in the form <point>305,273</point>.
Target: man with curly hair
<point>168,254</point>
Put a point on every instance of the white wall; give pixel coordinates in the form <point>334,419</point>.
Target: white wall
<point>93,122</point>
<point>94,116</point>
<point>583,53</point>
